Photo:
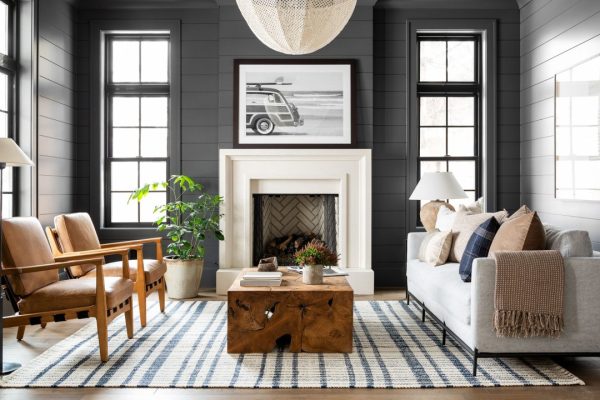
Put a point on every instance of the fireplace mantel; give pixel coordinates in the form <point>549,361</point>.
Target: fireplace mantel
<point>345,172</point>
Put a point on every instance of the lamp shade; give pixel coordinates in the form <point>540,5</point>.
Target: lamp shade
<point>296,26</point>
<point>438,185</point>
<point>11,154</point>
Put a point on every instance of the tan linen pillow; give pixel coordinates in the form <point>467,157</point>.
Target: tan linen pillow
<point>423,248</point>
<point>438,248</point>
<point>464,226</point>
<point>525,232</point>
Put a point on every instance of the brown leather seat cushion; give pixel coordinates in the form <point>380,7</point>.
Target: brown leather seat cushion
<point>76,232</point>
<point>153,270</point>
<point>25,245</point>
<point>73,293</point>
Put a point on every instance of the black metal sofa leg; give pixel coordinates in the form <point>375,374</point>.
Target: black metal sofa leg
<point>475,357</point>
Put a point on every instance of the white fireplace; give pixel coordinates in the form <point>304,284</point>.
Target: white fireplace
<point>346,173</point>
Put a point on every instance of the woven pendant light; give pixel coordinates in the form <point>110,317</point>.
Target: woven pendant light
<point>296,26</point>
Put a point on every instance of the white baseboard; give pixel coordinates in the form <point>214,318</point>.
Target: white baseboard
<point>362,280</point>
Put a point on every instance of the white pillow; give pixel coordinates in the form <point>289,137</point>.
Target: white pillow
<point>435,248</point>
<point>445,219</point>
<point>472,208</point>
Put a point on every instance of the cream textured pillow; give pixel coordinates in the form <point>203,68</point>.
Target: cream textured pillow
<point>475,207</point>
<point>464,226</point>
<point>435,248</point>
<point>445,219</point>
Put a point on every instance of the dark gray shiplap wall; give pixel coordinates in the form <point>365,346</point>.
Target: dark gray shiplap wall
<point>390,195</point>
<point>211,39</point>
<point>555,35</point>
<point>56,109</point>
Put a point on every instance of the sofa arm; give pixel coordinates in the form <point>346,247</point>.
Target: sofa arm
<point>414,241</point>
<point>581,305</point>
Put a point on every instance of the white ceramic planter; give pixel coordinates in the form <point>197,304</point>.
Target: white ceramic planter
<point>183,277</point>
<point>312,274</point>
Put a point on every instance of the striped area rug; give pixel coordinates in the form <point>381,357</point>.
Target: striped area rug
<point>186,347</point>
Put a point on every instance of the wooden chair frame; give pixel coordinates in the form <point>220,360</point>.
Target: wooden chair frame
<point>99,310</point>
<point>142,288</point>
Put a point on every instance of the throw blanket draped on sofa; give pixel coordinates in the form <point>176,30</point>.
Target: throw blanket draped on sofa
<point>529,293</point>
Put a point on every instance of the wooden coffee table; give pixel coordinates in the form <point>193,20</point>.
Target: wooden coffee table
<point>311,318</point>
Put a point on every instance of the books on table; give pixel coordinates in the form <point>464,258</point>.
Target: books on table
<point>261,279</point>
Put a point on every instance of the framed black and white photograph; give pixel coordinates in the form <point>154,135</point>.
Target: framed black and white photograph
<point>294,103</point>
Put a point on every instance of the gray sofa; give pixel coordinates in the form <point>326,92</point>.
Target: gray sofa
<point>465,310</point>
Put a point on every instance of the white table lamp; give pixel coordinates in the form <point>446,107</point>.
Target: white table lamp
<point>435,186</point>
<point>11,155</point>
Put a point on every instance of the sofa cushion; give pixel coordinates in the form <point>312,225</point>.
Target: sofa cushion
<point>437,248</point>
<point>570,243</point>
<point>443,287</point>
<point>524,232</point>
<point>76,232</point>
<point>478,246</point>
<point>464,226</point>
<point>424,244</point>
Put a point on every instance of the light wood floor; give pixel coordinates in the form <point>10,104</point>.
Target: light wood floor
<point>37,340</point>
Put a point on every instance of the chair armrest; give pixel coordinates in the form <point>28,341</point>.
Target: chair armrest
<point>138,242</point>
<point>77,255</point>
<point>132,242</point>
<point>414,241</point>
<point>47,267</point>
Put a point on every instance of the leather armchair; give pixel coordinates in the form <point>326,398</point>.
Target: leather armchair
<point>32,272</point>
<point>75,233</point>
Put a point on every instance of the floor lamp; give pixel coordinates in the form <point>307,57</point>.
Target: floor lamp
<point>11,155</point>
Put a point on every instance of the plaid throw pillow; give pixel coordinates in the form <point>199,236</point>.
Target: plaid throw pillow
<point>478,246</point>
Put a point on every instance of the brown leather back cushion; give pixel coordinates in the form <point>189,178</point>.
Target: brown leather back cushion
<point>25,245</point>
<point>524,232</point>
<point>77,233</point>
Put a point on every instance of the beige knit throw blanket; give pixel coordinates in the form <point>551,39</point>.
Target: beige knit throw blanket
<point>529,293</point>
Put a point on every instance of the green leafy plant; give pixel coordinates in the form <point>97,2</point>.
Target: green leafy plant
<point>316,252</point>
<point>186,220</point>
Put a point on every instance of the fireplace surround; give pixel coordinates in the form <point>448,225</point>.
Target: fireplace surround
<point>346,173</point>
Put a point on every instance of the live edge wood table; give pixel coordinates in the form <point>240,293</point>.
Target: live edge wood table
<point>311,318</point>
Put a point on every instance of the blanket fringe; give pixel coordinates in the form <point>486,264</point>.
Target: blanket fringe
<point>523,324</point>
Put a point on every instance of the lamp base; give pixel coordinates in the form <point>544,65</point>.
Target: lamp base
<point>429,213</point>
<point>8,367</point>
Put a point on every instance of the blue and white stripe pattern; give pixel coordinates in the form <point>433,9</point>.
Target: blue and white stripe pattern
<point>186,347</point>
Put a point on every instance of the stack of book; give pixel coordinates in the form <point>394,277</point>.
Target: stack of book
<point>261,279</point>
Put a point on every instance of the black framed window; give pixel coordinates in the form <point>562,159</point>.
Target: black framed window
<point>449,108</point>
<point>137,125</point>
<point>8,73</point>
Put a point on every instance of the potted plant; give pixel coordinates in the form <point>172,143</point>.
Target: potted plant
<point>187,220</point>
<point>313,257</point>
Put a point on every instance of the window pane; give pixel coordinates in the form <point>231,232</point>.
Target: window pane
<point>123,210</point>
<point>3,124</point>
<point>150,202</point>
<point>461,111</point>
<point>124,176</point>
<point>125,142</point>
<point>154,142</point>
<point>433,166</point>
<point>7,205</point>
<point>7,179</point>
<point>461,141</point>
<point>3,92</point>
<point>585,110</point>
<point>432,61</point>
<point>126,111</point>
<point>151,172</point>
<point>154,111</point>
<point>4,28</point>
<point>432,142</point>
<point>433,111</point>
<point>468,200</point>
<point>125,61</point>
<point>461,61</point>
<point>464,171</point>
<point>155,61</point>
